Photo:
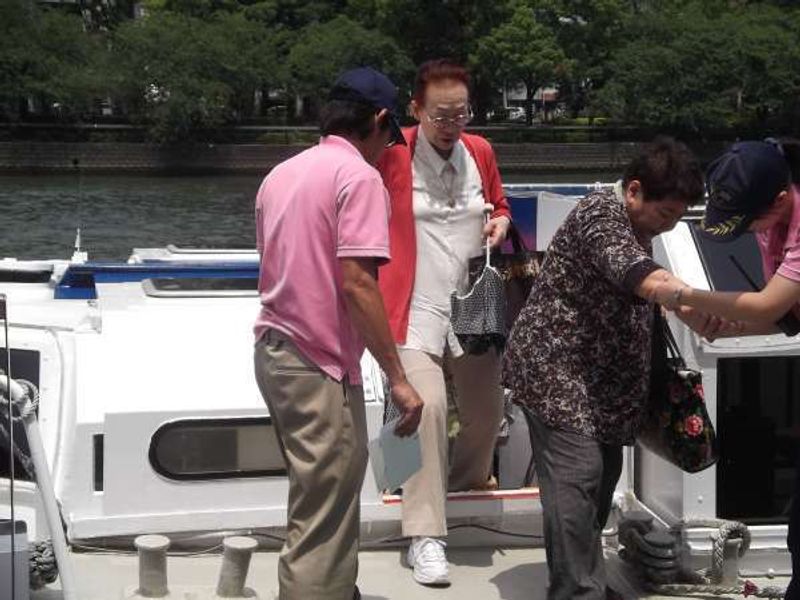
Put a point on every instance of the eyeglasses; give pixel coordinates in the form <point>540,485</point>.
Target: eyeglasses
<point>458,121</point>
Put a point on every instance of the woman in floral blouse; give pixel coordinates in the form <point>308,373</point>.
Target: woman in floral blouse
<point>579,353</point>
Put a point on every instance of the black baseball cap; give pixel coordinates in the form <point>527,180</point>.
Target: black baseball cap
<point>742,183</point>
<point>369,86</point>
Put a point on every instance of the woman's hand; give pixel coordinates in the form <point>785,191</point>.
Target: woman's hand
<point>496,230</point>
<point>708,326</point>
<point>666,290</point>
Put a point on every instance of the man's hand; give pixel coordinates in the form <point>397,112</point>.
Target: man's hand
<point>496,231</point>
<point>406,399</point>
<point>365,306</point>
<point>705,325</point>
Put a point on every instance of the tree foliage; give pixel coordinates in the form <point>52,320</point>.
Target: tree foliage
<point>323,50</point>
<point>190,66</point>
<point>692,69</point>
<point>207,77</point>
<point>46,59</point>
<point>522,51</point>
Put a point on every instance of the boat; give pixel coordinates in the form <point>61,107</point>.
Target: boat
<point>151,421</point>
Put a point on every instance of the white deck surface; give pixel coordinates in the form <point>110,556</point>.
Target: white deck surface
<point>476,574</point>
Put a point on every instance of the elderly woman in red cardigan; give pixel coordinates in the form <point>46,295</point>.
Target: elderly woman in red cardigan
<point>438,186</point>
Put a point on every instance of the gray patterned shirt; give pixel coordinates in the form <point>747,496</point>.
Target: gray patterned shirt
<point>579,352</point>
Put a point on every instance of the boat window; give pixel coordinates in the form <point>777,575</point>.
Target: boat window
<point>199,449</point>
<point>22,276</point>
<point>758,428</point>
<point>720,259</point>
<point>200,287</point>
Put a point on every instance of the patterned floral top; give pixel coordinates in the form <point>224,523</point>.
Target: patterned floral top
<point>579,352</point>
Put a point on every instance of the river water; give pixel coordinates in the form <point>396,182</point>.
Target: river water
<point>40,214</point>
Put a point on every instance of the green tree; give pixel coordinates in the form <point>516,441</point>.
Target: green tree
<point>192,8</point>
<point>690,70</point>
<point>182,75</point>
<point>426,30</point>
<point>282,14</point>
<point>293,15</point>
<point>523,51</point>
<point>254,59</point>
<point>46,56</point>
<point>324,50</point>
<point>589,31</point>
<point>104,15</point>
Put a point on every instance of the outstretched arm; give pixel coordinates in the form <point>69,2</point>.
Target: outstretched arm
<point>766,306</point>
<point>365,307</point>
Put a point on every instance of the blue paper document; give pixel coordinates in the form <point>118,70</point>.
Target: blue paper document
<point>394,459</point>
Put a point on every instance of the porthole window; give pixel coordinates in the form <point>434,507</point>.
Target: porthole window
<point>200,449</point>
<point>200,287</point>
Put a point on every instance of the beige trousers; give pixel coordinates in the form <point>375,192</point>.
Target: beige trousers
<point>480,410</point>
<point>321,426</point>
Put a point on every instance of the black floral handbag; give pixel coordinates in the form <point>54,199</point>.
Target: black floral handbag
<point>677,426</point>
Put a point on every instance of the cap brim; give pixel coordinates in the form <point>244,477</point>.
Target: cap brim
<point>397,133</point>
<point>723,226</point>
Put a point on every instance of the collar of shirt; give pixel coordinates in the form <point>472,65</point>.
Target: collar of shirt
<point>619,192</point>
<point>340,142</point>
<point>793,236</point>
<point>781,238</point>
<point>428,154</point>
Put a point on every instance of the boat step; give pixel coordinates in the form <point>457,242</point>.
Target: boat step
<point>527,493</point>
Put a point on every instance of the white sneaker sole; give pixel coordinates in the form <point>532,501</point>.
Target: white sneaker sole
<point>440,581</point>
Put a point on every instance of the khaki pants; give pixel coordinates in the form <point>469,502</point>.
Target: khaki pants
<point>480,410</point>
<point>321,426</point>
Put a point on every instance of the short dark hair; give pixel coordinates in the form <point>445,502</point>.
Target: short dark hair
<point>666,168</point>
<point>348,118</point>
<point>438,69</point>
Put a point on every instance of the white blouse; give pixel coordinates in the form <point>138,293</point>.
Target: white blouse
<point>448,215</point>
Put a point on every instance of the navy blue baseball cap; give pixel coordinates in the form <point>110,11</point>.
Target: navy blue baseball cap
<point>369,86</point>
<point>742,184</point>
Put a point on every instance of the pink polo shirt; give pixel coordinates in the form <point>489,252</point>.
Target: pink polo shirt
<point>780,245</point>
<point>324,204</point>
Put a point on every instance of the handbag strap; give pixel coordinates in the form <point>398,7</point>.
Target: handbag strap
<point>487,211</point>
<point>517,242</point>
<point>669,339</point>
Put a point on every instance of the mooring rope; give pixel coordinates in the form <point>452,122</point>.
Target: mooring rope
<point>42,565</point>
<point>683,581</point>
<point>725,530</point>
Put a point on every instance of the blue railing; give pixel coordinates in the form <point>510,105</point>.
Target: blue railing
<point>79,281</point>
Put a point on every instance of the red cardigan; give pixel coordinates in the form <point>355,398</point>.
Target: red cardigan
<point>396,278</point>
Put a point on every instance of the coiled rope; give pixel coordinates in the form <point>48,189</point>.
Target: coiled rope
<point>681,581</point>
<point>42,565</point>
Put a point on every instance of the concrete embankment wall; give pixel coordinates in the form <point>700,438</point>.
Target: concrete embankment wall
<point>259,158</point>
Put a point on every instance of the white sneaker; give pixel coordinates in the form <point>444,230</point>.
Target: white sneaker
<point>426,556</point>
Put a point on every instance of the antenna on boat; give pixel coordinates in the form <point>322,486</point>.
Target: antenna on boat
<point>79,256</point>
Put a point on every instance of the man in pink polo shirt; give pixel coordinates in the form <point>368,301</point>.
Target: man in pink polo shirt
<point>322,230</point>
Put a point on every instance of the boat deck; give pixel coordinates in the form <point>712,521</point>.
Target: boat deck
<point>476,574</point>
